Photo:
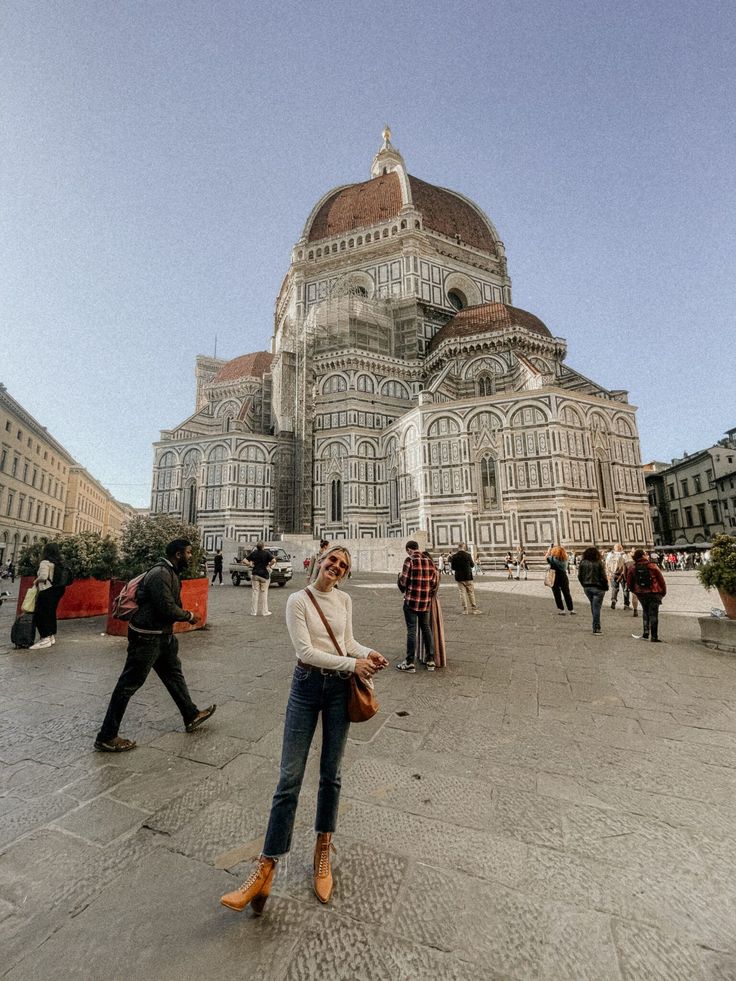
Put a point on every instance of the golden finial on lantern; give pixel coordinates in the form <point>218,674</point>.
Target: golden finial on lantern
<point>386,137</point>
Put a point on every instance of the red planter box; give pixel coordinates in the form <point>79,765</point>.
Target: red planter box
<point>84,598</point>
<point>194,596</point>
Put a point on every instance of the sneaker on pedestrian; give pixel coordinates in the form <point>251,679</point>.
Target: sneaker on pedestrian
<point>268,614</point>
<point>40,644</point>
<point>572,613</point>
<point>407,666</point>
<point>430,665</point>
<point>561,613</point>
<point>476,611</point>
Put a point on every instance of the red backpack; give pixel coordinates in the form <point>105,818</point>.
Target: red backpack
<point>125,604</point>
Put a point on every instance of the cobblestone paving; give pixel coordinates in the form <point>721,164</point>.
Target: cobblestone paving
<point>553,805</point>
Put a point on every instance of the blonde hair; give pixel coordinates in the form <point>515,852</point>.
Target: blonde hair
<point>345,552</point>
<point>558,552</point>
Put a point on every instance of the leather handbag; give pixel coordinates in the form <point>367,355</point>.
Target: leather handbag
<point>362,701</point>
<point>549,579</point>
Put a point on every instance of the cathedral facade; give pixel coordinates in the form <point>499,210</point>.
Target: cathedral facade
<point>404,392</point>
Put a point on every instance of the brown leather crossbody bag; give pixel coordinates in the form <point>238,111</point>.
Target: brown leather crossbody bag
<point>362,702</point>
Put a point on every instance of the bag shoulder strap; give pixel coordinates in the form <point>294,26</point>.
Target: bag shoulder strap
<point>323,618</point>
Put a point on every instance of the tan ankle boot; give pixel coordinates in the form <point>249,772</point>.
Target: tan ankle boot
<point>322,871</point>
<point>255,890</point>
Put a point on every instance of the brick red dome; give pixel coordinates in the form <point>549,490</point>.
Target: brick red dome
<point>379,199</point>
<point>247,366</point>
<point>487,317</point>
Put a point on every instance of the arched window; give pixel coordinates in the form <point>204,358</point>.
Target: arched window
<point>336,500</point>
<point>457,299</point>
<point>395,389</point>
<point>484,384</point>
<point>393,497</point>
<point>334,383</point>
<point>365,384</point>
<point>488,484</point>
<point>190,503</point>
<point>605,484</point>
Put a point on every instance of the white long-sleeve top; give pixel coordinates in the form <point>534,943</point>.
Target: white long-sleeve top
<point>311,641</point>
<point>45,574</point>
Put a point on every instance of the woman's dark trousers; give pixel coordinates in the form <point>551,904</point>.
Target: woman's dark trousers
<point>562,588</point>
<point>44,615</point>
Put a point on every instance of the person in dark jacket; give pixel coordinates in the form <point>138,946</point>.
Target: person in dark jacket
<point>592,577</point>
<point>152,644</point>
<point>261,561</point>
<point>645,579</point>
<point>557,559</point>
<point>217,561</point>
<point>462,565</point>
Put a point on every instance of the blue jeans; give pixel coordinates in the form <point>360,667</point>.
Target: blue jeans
<point>413,618</point>
<point>595,596</point>
<point>311,693</point>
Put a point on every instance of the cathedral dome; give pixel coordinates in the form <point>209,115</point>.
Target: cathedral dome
<point>488,317</point>
<point>392,191</point>
<point>355,206</point>
<point>247,366</point>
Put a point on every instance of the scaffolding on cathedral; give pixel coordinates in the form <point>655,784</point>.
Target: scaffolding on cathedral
<point>347,320</point>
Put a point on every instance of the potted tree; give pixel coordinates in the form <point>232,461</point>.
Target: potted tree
<point>93,562</point>
<point>720,572</point>
<point>142,543</point>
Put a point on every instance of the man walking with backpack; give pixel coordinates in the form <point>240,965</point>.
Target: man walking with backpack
<point>152,644</point>
<point>647,582</point>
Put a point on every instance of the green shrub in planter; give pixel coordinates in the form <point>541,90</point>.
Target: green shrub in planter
<point>87,554</point>
<point>144,539</point>
<point>720,569</point>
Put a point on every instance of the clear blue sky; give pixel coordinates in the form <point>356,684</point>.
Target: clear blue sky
<point>160,158</point>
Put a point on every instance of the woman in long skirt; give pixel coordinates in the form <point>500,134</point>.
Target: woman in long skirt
<point>437,624</point>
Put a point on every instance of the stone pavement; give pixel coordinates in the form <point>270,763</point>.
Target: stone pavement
<point>553,805</point>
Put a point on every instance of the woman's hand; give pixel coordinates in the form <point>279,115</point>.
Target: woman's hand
<point>365,668</point>
<point>378,660</point>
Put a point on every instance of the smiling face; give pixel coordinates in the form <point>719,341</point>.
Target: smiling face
<point>332,569</point>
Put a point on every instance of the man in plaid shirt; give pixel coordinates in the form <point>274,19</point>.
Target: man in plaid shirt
<point>418,582</point>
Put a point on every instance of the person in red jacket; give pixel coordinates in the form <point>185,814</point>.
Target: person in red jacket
<point>646,581</point>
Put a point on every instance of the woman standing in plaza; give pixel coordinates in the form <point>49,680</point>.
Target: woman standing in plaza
<point>592,577</point>
<point>557,559</point>
<point>49,582</point>
<point>508,564</point>
<point>320,686</point>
